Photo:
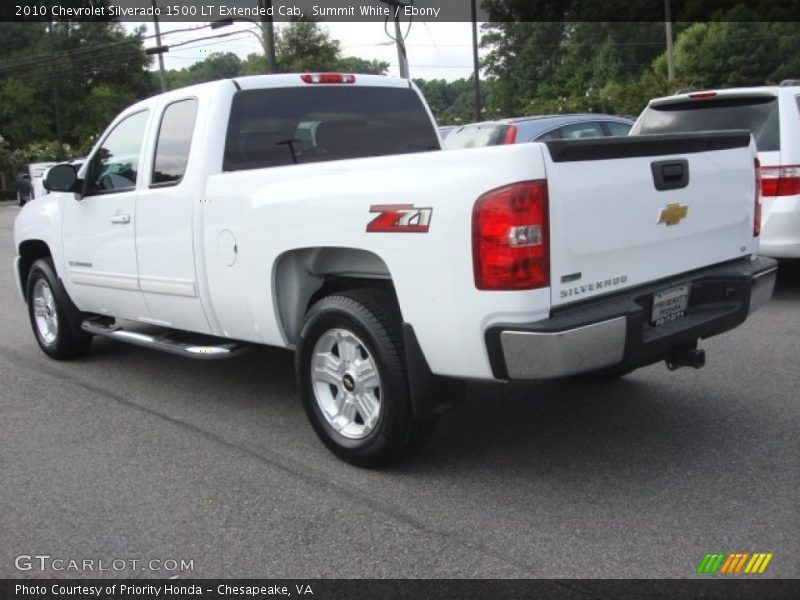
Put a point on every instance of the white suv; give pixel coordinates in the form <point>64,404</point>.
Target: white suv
<point>772,114</point>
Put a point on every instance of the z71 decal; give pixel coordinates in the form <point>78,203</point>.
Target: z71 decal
<point>400,217</point>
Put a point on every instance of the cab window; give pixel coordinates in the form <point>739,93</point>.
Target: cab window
<point>115,165</point>
<point>174,143</point>
<point>297,125</point>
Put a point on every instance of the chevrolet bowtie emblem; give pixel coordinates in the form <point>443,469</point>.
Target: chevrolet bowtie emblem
<point>673,213</point>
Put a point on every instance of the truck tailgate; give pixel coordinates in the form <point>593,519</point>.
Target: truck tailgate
<point>631,210</point>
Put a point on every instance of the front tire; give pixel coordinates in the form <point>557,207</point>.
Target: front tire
<point>352,377</point>
<point>49,315</point>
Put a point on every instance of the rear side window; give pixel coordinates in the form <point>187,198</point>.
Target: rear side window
<point>616,128</point>
<point>575,131</point>
<point>578,131</point>
<point>174,142</point>
<point>758,114</point>
<point>285,126</point>
<point>555,134</point>
<point>476,136</point>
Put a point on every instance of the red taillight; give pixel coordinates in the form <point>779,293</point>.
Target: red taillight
<point>702,95</point>
<point>511,135</point>
<point>780,181</point>
<point>328,78</point>
<point>511,238</point>
<point>757,211</point>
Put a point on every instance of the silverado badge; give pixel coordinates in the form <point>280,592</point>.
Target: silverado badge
<point>673,213</point>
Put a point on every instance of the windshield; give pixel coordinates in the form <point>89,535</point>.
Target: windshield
<point>758,114</point>
<point>296,125</point>
<point>476,136</point>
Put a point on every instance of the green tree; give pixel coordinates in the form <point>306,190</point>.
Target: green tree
<point>106,102</point>
<point>218,65</point>
<point>453,102</point>
<point>24,111</point>
<point>6,168</point>
<point>305,46</point>
<point>522,57</point>
<point>254,64</point>
<point>353,64</point>
<point>551,65</point>
<point>731,53</point>
<point>75,58</point>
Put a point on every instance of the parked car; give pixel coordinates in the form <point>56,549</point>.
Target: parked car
<point>24,187</point>
<point>536,129</point>
<point>37,172</point>
<point>772,114</point>
<point>393,270</point>
<point>445,130</point>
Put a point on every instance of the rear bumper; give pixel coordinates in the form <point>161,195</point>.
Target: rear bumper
<point>616,332</point>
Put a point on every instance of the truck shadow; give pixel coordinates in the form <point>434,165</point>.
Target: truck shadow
<point>637,427</point>
<point>638,432</point>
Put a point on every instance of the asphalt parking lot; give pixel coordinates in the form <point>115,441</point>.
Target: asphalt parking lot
<point>130,453</point>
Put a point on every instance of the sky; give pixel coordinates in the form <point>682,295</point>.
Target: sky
<point>434,50</point>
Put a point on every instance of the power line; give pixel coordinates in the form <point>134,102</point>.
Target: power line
<point>215,44</point>
<point>87,68</point>
<point>129,39</point>
<point>62,61</point>
<point>65,61</point>
<point>47,58</point>
<point>94,63</point>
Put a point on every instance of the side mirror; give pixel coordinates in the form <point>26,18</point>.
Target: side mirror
<point>62,178</point>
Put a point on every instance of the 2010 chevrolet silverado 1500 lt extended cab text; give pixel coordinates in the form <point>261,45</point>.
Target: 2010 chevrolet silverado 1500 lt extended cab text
<point>315,212</point>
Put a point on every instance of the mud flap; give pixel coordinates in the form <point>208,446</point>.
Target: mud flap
<point>430,394</point>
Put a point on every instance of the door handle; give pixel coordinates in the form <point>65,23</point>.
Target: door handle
<point>121,218</point>
<point>670,174</point>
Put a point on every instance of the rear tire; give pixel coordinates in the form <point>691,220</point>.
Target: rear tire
<point>352,377</point>
<point>53,326</point>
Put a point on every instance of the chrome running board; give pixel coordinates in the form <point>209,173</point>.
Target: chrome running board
<point>162,342</point>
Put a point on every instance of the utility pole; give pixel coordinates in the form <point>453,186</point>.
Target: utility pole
<point>475,63</point>
<point>268,34</point>
<point>402,59</point>
<point>668,27</point>
<point>56,94</point>
<point>160,54</point>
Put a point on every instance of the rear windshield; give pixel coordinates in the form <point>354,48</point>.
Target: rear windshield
<point>476,136</point>
<point>285,126</point>
<point>759,115</point>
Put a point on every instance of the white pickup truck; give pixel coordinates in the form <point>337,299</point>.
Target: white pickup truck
<point>316,212</point>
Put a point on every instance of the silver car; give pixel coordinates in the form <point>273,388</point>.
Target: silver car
<point>522,130</point>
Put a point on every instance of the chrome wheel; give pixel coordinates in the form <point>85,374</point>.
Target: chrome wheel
<point>346,383</point>
<point>44,312</point>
